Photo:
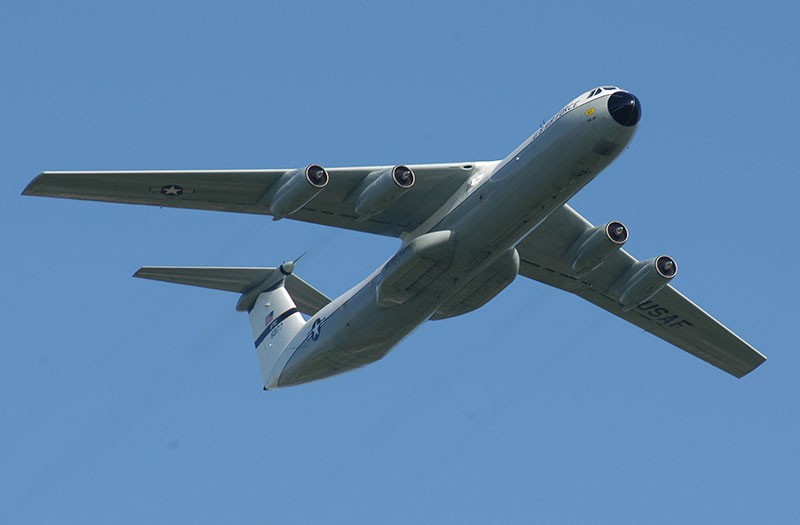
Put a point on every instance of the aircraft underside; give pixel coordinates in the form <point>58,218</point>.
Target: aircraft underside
<point>466,229</point>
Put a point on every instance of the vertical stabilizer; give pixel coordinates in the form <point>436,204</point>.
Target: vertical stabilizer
<point>274,319</point>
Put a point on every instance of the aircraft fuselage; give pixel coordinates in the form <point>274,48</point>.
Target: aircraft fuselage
<point>501,204</point>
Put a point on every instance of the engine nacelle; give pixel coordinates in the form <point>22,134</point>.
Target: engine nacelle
<point>643,280</point>
<point>385,187</point>
<point>296,189</point>
<point>595,246</point>
<point>482,288</point>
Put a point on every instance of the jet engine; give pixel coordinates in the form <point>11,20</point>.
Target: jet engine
<point>384,188</point>
<point>296,189</point>
<point>643,280</point>
<point>595,246</point>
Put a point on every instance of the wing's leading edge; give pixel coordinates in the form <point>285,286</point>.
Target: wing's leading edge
<point>667,314</point>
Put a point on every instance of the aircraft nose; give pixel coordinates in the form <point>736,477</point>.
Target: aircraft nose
<point>625,108</point>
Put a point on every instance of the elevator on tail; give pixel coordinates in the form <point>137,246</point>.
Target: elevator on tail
<point>467,229</point>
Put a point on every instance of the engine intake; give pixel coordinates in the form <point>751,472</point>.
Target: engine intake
<point>617,232</point>
<point>297,188</point>
<point>403,176</point>
<point>666,267</point>
<point>595,246</point>
<point>317,176</point>
<point>381,189</point>
<point>643,280</point>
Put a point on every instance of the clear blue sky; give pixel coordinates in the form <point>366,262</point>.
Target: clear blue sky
<point>126,401</point>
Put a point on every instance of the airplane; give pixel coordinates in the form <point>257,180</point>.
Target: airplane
<point>467,229</point>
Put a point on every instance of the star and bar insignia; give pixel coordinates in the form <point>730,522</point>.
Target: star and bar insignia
<point>171,190</point>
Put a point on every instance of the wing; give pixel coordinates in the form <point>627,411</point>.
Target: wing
<point>668,314</point>
<point>249,191</point>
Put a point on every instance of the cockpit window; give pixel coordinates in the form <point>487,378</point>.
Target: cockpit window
<point>594,92</point>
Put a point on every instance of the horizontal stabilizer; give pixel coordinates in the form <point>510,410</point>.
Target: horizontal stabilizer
<point>245,281</point>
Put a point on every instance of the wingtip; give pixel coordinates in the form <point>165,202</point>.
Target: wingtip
<point>29,189</point>
<point>761,360</point>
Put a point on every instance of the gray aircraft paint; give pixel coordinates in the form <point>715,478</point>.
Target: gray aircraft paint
<point>537,178</point>
<point>467,230</point>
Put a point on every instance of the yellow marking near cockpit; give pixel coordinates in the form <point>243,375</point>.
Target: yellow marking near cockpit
<point>589,111</point>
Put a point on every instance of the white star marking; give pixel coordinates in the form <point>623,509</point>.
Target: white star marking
<point>172,190</point>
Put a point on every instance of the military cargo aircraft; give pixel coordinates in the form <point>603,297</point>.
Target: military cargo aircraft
<point>467,229</point>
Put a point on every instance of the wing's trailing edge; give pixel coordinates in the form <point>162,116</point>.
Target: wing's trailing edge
<point>309,300</point>
<point>668,314</point>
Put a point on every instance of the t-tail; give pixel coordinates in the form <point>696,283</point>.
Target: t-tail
<point>274,298</point>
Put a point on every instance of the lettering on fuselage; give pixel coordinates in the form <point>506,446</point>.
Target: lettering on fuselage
<point>566,109</point>
<point>662,315</point>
